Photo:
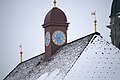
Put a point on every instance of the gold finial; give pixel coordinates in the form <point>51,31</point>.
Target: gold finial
<point>95,21</point>
<point>55,3</point>
<point>21,53</point>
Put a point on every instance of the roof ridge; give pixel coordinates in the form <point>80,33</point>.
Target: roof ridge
<point>95,33</point>
<point>93,37</point>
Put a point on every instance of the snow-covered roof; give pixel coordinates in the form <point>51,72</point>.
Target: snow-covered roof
<point>88,58</point>
<point>99,61</point>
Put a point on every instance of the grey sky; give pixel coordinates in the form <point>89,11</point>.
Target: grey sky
<point>21,20</point>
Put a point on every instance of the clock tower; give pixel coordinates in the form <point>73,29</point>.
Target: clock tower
<point>55,26</point>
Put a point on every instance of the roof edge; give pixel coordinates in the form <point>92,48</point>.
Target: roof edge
<point>22,63</point>
<point>95,33</point>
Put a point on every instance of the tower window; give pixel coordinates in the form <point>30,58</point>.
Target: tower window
<point>119,45</point>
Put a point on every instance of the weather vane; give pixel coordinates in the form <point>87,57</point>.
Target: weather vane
<point>95,21</point>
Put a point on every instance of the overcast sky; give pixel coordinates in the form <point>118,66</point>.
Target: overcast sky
<point>21,20</point>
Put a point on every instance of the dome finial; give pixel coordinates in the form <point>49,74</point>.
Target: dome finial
<point>55,3</point>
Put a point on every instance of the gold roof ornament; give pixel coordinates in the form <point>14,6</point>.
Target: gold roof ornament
<point>95,21</point>
<point>21,53</point>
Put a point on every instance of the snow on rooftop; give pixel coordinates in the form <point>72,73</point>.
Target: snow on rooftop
<point>55,69</point>
<point>99,61</point>
<point>88,58</point>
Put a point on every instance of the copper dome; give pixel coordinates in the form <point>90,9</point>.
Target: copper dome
<point>56,16</point>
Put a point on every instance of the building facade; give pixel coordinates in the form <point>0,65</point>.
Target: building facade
<point>115,23</point>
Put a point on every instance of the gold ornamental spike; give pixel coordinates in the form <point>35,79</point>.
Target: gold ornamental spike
<point>21,53</point>
<point>95,21</point>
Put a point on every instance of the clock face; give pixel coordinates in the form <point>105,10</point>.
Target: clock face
<point>47,39</point>
<point>58,37</point>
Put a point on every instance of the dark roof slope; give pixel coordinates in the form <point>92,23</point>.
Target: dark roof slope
<point>63,60</point>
